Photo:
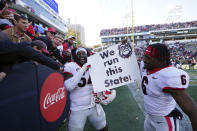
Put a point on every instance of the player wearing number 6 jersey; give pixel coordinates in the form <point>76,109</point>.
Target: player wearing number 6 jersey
<point>164,86</point>
<point>83,106</point>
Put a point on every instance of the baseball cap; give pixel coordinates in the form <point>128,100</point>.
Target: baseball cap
<point>59,36</point>
<point>51,29</point>
<point>71,36</point>
<point>12,10</point>
<point>40,44</point>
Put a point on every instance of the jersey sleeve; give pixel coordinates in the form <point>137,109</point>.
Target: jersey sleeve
<point>67,69</point>
<point>176,80</point>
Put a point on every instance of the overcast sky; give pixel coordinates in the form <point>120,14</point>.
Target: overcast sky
<point>96,15</point>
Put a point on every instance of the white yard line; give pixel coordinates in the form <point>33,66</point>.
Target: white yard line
<point>137,95</point>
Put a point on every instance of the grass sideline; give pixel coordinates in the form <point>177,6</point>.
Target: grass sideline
<point>122,112</point>
<point>192,89</point>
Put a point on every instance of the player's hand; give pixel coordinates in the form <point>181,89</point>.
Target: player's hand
<point>61,69</point>
<point>9,15</point>
<point>85,67</point>
<point>97,101</point>
<point>66,53</point>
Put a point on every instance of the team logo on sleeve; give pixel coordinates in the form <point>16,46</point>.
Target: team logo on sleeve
<point>125,50</point>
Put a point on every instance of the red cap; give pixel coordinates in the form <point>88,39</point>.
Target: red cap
<point>12,10</point>
<point>45,50</point>
<point>41,45</point>
<point>51,29</point>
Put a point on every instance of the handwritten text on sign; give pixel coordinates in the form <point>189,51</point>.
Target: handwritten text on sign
<point>113,67</point>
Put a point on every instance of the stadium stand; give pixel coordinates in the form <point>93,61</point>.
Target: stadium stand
<point>181,38</point>
<point>147,28</point>
<point>43,15</point>
<point>182,31</point>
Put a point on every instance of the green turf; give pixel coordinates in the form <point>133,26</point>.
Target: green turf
<point>193,83</point>
<point>192,89</point>
<point>123,114</point>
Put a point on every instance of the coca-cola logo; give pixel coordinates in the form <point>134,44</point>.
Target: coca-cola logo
<point>53,97</point>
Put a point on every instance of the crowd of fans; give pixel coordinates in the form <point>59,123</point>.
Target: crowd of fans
<point>181,53</point>
<point>147,28</point>
<point>18,28</point>
<point>18,31</point>
<point>20,43</point>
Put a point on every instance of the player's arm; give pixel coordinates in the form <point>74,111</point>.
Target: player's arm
<point>67,75</point>
<point>187,104</point>
<point>72,80</point>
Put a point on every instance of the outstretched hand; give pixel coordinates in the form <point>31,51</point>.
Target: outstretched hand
<point>85,67</point>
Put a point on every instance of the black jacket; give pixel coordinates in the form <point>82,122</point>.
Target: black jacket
<point>11,53</point>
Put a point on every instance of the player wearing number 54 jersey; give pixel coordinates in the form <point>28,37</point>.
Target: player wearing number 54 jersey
<point>164,86</point>
<point>83,105</point>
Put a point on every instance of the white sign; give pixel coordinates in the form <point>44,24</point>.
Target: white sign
<point>113,67</point>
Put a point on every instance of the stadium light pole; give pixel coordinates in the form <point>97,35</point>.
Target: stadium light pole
<point>127,24</point>
<point>127,18</point>
<point>132,10</point>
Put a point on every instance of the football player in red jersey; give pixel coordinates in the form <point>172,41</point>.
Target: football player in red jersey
<point>164,86</point>
<point>83,105</point>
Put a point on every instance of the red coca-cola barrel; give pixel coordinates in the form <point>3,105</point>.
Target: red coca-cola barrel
<point>33,98</point>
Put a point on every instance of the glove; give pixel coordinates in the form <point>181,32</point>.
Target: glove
<point>85,67</point>
<point>108,97</point>
<point>176,113</point>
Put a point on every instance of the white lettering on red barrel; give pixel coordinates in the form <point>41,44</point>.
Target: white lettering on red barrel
<point>51,99</point>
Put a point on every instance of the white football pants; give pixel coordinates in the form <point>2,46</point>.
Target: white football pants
<point>78,119</point>
<point>160,123</point>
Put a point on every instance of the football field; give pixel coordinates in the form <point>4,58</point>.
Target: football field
<point>123,114</point>
<point>126,112</point>
<point>192,90</point>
